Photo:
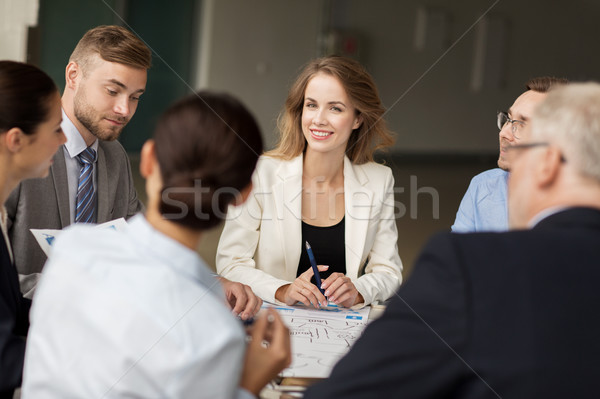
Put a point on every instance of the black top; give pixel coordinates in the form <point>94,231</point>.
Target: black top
<point>328,246</point>
<point>14,323</point>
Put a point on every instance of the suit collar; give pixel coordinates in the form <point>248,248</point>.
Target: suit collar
<point>358,200</point>
<point>571,217</point>
<point>104,213</point>
<point>58,171</point>
<point>288,201</point>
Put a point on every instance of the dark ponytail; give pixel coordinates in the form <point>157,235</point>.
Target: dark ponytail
<point>25,92</point>
<point>207,146</point>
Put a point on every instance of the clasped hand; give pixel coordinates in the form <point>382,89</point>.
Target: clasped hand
<point>339,289</point>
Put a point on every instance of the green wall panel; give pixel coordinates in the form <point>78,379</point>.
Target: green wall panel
<point>166,27</point>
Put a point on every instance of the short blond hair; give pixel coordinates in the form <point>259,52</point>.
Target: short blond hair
<point>114,44</point>
<point>373,132</point>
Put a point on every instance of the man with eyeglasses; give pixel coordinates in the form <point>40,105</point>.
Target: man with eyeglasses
<point>483,208</point>
<point>502,315</point>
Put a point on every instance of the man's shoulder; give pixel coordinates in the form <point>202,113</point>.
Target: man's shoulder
<point>114,155</point>
<point>490,182</point>
<point>490,176</point>
<point>112,148</point>
<point>464,242</point>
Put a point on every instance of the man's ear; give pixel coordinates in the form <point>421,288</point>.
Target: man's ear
<point>148,159</point>
<point>72,72</point>
<point>549,166</point>
<point>243,195</point>
<point>14,139</point>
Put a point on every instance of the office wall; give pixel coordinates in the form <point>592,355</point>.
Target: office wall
<point>16,16</point>
<point>254,48</point>
<point>258,46</point>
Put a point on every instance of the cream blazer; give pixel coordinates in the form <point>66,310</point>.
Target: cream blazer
<point>262,239</point>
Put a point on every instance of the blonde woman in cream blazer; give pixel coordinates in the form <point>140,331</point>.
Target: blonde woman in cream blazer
<point>261,243</point>
<point>330,126</point>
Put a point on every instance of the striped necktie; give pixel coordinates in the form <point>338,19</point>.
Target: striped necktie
<point>85,211</point>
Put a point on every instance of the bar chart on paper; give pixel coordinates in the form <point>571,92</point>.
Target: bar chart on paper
<point>320,337</point>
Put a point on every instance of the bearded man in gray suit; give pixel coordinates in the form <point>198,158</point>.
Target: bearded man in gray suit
<point>105,78</point>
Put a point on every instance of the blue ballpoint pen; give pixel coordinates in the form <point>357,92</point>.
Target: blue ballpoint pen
<point>313,263</point>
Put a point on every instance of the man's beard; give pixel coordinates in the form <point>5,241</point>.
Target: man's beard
<point>91,119</point>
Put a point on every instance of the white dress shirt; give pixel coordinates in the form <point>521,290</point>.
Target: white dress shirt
<point>130,314</point>
<point>74,146</point>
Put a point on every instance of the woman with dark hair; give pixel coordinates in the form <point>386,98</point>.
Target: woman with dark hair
<point>137,313</point>
<point>321,186</point>
<point>30,134</point>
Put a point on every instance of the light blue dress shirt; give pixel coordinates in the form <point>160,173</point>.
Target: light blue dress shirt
<point>130,313</point>
<point>484,206</point>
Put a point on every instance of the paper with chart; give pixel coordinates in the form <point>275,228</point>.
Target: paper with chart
<point>45,237</point>
<point>320,337</point>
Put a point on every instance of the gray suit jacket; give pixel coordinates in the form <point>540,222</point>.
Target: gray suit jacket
<point>44,204</point>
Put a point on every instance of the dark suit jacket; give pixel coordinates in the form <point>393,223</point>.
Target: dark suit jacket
<point>510,315</point>
<point>14,323</point>
<point>44,204</point>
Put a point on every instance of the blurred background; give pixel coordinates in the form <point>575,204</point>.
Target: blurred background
<point>443,70</point>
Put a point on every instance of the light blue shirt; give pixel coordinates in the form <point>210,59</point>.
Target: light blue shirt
<point>74,146</point>
<point>484,206</point>
<point>130,313</point>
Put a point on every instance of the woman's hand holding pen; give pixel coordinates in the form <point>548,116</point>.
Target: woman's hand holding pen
<point>302,290</point>
<point>340,290</point>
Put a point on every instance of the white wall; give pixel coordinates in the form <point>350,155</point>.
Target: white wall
<point>15,17</point>
<point>258,46</point>
<point>441,113</point>
<point>255,49</point>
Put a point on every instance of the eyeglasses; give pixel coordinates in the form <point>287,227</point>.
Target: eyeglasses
<point>516,125</point>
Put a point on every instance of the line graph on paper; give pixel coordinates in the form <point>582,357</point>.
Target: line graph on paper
<point>320,338</point>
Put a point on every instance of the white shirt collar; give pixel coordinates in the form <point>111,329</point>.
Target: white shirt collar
<point>75,143</point>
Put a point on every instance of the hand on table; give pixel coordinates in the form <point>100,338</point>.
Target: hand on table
<point>268,352</point>
<point>340,290</point>
<point>302,290</point>
<point>241,299</point>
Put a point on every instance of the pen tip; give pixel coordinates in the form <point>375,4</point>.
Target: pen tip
<point>307,245</point>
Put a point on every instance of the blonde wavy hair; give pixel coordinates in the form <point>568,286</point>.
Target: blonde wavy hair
<point>371,135</point>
